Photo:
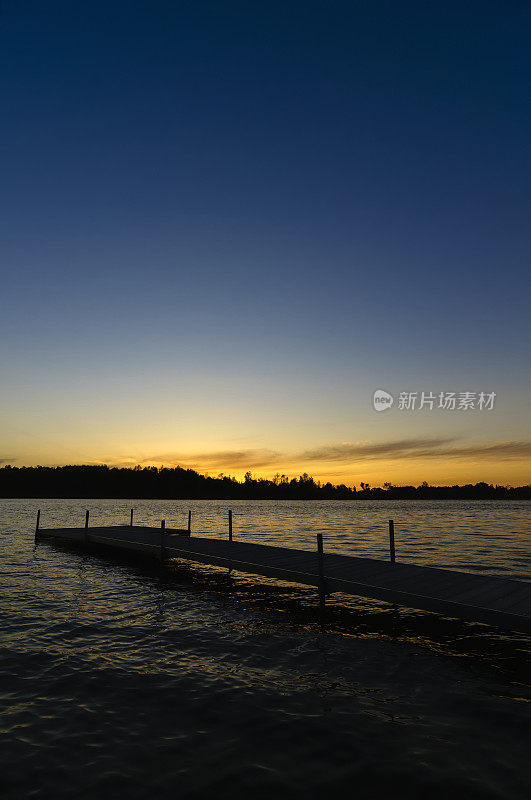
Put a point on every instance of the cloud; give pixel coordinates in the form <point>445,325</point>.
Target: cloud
<point>7,460</point>
<point>341,455</point>
<point>418,449</point>
<point>251,458</point>
<point>404,448</point>
<point>501,450</point>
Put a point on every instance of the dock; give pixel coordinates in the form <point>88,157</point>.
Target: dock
<point>493,600</point>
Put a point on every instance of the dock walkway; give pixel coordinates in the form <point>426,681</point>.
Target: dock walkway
<point>493,600</point>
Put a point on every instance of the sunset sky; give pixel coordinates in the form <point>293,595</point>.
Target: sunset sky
<point>224,225</point>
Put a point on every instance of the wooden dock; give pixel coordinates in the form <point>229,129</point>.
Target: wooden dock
<point>493,600</point>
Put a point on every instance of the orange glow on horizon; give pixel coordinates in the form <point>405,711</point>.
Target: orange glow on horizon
<point>375,473</point>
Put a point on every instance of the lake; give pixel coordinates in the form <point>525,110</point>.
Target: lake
<point>119,677</point>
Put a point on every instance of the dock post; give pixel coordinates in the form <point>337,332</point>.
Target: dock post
<point>131,523</point>
<point>392,540</point>
<point>320,571</point>
<point>86,525</point>
<point>189,523</point>
<point>162,532</point>
<point>230,538</point>
<point>37,525</point>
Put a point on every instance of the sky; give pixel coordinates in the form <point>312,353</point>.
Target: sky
<point>225,225</point>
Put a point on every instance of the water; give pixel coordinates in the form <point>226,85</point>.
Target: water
<point>121,678</point>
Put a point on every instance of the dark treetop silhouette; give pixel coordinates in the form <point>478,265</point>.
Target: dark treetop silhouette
<point>177,482</point>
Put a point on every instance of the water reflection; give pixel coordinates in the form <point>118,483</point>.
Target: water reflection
<point>119,676</point>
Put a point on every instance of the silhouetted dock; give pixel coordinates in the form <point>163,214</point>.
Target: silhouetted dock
<point>493,600</point>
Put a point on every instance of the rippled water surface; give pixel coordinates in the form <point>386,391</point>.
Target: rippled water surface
<point>122,678</point>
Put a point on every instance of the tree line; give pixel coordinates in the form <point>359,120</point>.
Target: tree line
<point>79,481</point>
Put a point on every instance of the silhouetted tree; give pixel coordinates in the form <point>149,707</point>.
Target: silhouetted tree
<point>178,482</point>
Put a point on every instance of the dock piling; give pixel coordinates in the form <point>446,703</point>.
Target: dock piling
<point>189,523</point>
<point>131,523</point>
<point>320,571</point>
<point>86,525</point>
<point>162,532</point>
<point>392,540</point>
<point>230,537</point>
<point>37,525</point>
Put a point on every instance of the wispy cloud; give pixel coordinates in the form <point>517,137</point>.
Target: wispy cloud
<point>347,451</point>
<point>499,450</point>
<point>418,449</point>
<point>343,454</point>
<point>7,460</point>
<point>251,458</point>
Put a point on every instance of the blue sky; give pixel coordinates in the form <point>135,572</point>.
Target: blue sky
<point>225,224</point>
